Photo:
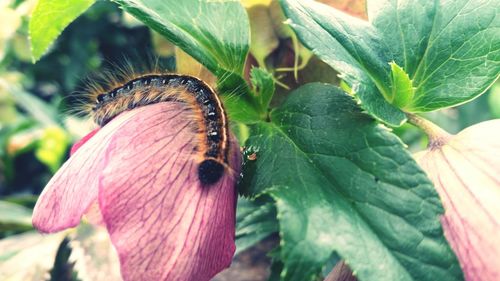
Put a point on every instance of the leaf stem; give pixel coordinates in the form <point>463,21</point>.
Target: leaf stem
<point>437,136</point>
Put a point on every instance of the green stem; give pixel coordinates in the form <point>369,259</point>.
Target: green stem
<point>437,136</point>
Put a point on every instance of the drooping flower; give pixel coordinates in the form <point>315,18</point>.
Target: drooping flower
<point>465,169</point>
<point>140,172</point>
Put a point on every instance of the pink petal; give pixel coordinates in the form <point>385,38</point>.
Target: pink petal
<point>93,214</point>
<point>74,187</point>
<point>81,142</point>
<point>164,225</point>
<point>466,173</point>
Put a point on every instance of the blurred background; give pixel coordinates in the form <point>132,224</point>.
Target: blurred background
<point>40,120</point>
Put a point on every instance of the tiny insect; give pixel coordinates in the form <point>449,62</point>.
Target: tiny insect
<point>202,101</point>
<point>252,157</point>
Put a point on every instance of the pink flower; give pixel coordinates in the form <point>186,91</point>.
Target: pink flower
<point>465,169</point>
<point>141,170</point>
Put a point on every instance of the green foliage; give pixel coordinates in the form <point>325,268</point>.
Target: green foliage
<point>200,28</point>
<point>254,222</point>
<point>344,184</point>
<point>63,269</point>
<point>49,19</point>
<point>494,100</point>
<point>356,54</point>
<point>450,49</point>
<point>43,132</point>
<point>34,106</point>
<point>14,217</point>
<point>402,87</point>
<point>264,86</point>
<point>241,105</point>
<point>405,29</point>
<point>52,147</point>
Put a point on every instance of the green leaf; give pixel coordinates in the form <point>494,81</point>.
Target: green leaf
<point>216,33</point>
<point>405,27</point>
<point>263,84</point>
<point>450,49</point>
<point>37,108</point>
<point>63,269</point>
<point>351,47</point>
<point>14,217</point>
<point>52,147</point>
<point>344,184</point>
<point>462,58</point>
<point>254,222</point>
<point>49,19</point>
<point>357,37</point>
<point>402,88</point>
<point>276,269</point>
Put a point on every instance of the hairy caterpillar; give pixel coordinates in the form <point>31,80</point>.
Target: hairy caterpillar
<point>201,100</point>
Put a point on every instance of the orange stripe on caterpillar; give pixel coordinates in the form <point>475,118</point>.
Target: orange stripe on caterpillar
<point>200,98</point>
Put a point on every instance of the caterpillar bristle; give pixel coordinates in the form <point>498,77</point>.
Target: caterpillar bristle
<point>112,92</point>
